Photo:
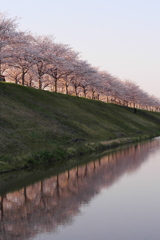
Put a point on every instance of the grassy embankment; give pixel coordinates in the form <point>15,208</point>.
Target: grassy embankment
<point>38,126</point>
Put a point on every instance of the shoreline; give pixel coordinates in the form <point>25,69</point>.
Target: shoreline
<point>61,156</point>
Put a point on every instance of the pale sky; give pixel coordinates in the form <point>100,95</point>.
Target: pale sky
<point>119,36</point>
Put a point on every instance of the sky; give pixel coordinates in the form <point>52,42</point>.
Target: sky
<point>121,37</point>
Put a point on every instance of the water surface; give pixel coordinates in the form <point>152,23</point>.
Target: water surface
<point>116,197</point>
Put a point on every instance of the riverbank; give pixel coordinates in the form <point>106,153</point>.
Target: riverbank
<point>37,126</point>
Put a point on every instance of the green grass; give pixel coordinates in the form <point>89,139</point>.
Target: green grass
<point>36,125</point>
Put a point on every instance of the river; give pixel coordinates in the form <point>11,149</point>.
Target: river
<point>116,197</point>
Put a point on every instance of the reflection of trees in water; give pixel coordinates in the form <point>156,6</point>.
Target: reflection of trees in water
<point>48,203</point>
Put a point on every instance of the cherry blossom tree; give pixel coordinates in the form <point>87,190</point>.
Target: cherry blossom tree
<point>134,94</point>
<point>7,36</point>
<point>40,56</point>
<point>22,56</point>
<point>62,59</point>
<point>87,76</point>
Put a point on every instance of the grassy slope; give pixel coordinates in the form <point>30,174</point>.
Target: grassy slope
<point>34,120</point>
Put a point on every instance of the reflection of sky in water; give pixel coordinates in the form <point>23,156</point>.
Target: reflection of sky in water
<point>117,200</point>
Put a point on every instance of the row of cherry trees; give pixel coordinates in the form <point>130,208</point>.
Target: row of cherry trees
<point>40,62</point>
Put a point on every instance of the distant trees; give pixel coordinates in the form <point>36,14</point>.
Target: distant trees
<point>41,63</point>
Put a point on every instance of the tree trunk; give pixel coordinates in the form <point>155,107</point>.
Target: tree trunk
<point>93,94</point>
<point>55,84</point>
<point>76,92</point>
<point>23,76</point>
<point>134,106</point>
<point>39,84</point>
<point>107,99</point>
<point>66,89</point>
<point>84,92</point>
<point>0,67</point>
